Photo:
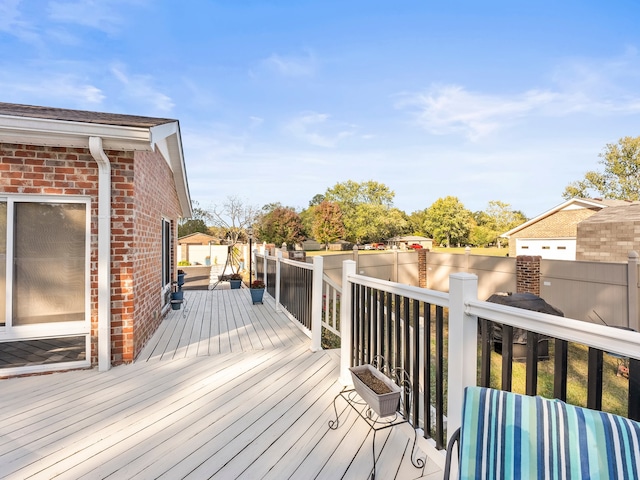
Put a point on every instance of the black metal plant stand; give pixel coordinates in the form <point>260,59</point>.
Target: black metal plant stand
<point>376,423</point>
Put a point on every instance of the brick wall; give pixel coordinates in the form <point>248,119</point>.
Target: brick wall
<point>156,198</point>
<point>39,170</point>
<point>422,268</point>
<point>610,235</point>
<point>528,274</point>
<point>142,193</point>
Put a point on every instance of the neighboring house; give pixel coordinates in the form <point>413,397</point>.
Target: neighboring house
<point>198,238</point>
<point>407,240</point>
<point>610,235</point>
<point>554,234</point>
<point>89,207</point>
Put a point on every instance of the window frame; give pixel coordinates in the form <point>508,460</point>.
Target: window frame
<point>42,330</point>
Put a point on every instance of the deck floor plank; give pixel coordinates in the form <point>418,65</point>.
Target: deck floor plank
<point>224,389</point>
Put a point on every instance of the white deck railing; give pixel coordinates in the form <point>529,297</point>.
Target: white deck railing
<point>464,311</point>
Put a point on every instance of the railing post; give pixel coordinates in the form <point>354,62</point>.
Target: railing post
<point>278,258</point>
<point>348,268</point>
<point>463,345</point>
<point>264,266</point>
<point>316,304</point>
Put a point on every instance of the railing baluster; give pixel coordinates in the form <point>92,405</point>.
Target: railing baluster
<point>415,376</point>
<point>594,379</point>
<point>440,443</point>
<point>507,357</point>
<point>428,432</point>
<point>634,389</point>
<point>485,352</point>
<point>532,364</point>
<point>375,329</point>
<point>397,358</point>
<point>561,350</point>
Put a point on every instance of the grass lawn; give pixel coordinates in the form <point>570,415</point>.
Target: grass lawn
<point>615,390</point>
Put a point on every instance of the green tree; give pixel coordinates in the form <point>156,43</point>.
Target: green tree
<point>620,178</point>
<point>502,218</point>
<point>448,221</point>
<point>197,222</point>
<point>281,225</point>
<point>327,223</point>
<point>362,204</point>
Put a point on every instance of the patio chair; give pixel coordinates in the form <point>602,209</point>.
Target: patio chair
<point>512,436</point>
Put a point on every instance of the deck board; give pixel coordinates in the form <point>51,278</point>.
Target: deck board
<point>225,389</point>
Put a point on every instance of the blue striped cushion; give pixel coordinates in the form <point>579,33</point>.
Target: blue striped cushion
<point>511,436</point>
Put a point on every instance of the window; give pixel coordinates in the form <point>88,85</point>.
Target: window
<point>166,252</point>
<point>43,262</point>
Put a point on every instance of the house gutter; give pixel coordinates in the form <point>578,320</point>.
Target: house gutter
<point>104,253</point>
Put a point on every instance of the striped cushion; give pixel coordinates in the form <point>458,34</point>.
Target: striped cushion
<point>511,436</point>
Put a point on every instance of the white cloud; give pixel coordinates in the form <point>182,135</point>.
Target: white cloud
<point>255,121</point>
<point>313,128</point>
<point>13,23</point>
<point>140,88</point>
<point>52,89</point>
<point>451,109</point>
<point>292,66</point>
<point>104,15</point>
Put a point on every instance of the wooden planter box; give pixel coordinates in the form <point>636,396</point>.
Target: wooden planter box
<point>383,404</point>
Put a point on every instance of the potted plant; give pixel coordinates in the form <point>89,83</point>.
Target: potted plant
<point>375,388</point>
<point>181,275</point>
<point>235,279</point>
<point>257,291</point>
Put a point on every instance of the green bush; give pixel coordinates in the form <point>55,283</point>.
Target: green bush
<point>184,263</point>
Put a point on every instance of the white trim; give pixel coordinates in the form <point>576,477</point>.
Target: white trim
<point>587,203</point>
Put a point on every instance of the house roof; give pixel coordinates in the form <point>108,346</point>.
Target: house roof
<point>616,214</point>
<point>593,203</point>
<point>82,116</point>
<point>35,125</point>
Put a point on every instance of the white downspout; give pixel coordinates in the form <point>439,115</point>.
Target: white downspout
<point>104,253</point>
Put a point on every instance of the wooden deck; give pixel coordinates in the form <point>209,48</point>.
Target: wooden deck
<point>224,390</point>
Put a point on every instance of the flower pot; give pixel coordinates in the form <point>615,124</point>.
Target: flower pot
<point>384,404</point>
<point>178,295</point>
<point>235,284</point>
<point>181,279</point>
<point>175,304</point>
<point>256,295</point>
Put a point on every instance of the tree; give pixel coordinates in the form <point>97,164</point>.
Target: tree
<point>281,225</point>
<point>350,194</point>
<point>620,178</point>
<point>327,223</point>
<point>233,218</point>
<point>362,205</point>
<point>376,223</point>
<point>502,218</point>
<point>448,220</point>
<point>197,222</point>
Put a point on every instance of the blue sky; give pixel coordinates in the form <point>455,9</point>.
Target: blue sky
<point>280,100</point>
